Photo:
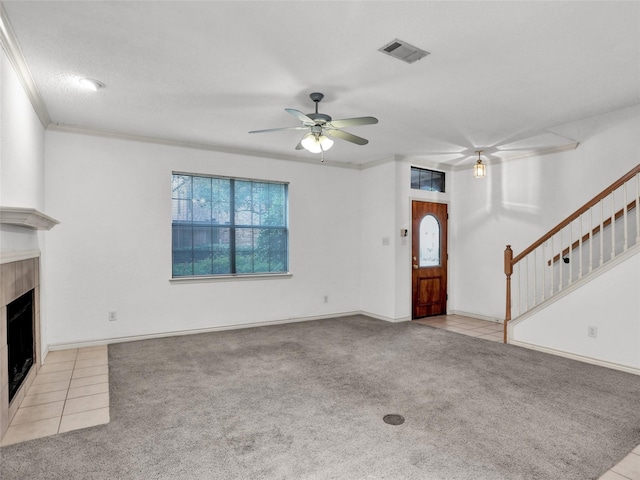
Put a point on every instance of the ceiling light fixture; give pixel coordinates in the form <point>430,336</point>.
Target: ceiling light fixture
<point>316,142</point>
<point>91,84</point>
<point>479,169</point>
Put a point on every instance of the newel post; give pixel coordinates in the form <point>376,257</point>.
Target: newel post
<point>508,270</point>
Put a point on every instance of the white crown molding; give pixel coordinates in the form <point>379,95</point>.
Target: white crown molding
<point>533,153</point>
<point>377,163</point>
<point>58,127</point>
<point>419,162</point>
<point>14,53</point>
<point>26,217</point>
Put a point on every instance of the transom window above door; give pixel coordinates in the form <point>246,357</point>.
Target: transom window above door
<point>429,180</point>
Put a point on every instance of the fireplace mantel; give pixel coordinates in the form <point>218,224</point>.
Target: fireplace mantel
<point>26,217</point>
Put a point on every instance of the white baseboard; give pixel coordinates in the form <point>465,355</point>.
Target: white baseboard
<point>575,356</point>
<point>177,333</point>
<point>43,355</point>
<point>386,319</point>
<point>475,315</point>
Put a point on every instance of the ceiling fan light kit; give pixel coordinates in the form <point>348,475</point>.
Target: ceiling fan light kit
<point>320,127</point>
<point>479,169</point>
<point>316,143</point>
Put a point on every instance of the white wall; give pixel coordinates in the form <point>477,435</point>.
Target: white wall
<point>21,158</point>
<point>21,171</point>
<point>112,197</point>
<point>112,249</point>
<point>610,302</point>
<point>520,200</point>
<point>404,196</point>
<point>385,281</point>
<point>377,239</point>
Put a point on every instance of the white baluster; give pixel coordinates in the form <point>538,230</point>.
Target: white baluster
<point>544,272</point>
<point>570,253</point>
<point>590,239</point>
<point>518,287</point>
<point>535,277</point>
<point>552,269</point>
<point>526,283</point>
<point>560,264</point>
<point>637,209</point>
<point>624,217</point>
<point>613,225</point>
<point>580,249</point>
<point>601,233</point>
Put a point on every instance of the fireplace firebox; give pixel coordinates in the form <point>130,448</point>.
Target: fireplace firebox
<point>20,341</point>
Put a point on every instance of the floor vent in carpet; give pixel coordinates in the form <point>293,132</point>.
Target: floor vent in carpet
<point>393,419</point>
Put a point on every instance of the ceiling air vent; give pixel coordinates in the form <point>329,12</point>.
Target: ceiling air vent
<point>403,51</point>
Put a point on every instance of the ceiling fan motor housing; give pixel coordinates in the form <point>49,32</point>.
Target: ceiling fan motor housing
<point>320,118</point>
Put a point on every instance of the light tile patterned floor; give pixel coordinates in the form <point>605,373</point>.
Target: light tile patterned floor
<point>70,392</point>
<point>472,327</point>
<point>629,466</point>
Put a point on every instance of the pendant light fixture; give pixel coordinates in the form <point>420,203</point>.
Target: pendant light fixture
<point>479,169</point>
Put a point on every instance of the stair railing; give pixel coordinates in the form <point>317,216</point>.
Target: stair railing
<point>596,233</point>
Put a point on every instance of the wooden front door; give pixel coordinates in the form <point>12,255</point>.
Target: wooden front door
<point>429,255</point>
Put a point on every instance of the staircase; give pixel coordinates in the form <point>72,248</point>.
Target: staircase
<point>605,228</point>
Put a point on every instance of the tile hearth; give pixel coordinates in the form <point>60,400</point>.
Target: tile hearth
<point>70,392</point>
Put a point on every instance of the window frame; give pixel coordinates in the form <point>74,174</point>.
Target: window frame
<point>422,169</point>
<point>233,228</point>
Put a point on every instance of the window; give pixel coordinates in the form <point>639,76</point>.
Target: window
<point>423,179</point>
<point>228,226</point>
<point>429,242</point>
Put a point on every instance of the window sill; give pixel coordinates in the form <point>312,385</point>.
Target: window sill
<point>226,278</point>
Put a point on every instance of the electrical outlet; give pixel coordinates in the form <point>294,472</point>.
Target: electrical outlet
<point>592,331</point>
<point>112,316</point>
<point>325,299</point>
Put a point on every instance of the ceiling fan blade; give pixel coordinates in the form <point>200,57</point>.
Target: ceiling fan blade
<point>347,136</point>
<point>278,129</point>
<point>352,122</point>
<point>300,116</point>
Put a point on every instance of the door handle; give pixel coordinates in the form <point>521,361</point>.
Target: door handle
<point>415,267</point>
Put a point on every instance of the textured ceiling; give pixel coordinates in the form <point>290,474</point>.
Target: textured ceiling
<point>501,75</point>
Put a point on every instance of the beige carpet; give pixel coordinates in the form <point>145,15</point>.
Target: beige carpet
<point>306,401</point>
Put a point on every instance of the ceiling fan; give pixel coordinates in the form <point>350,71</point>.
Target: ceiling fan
<point>320,127</point>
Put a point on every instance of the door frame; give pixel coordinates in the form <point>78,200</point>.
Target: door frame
<point>410,250</point>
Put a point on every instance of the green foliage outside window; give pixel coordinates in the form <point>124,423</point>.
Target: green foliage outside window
<point>227,226</point>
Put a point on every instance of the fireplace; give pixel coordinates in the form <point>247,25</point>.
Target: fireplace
<point>19,275</point>
<point>19,331</point>
<point>19,340</point>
